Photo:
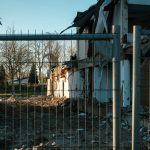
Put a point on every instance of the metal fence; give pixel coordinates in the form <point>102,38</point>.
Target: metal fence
<point>52,101</point>
<point>139,85</point>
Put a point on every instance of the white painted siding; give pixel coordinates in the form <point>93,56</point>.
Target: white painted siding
<point>125,82</point>
<point>104,49</point>
<point>82,49</point>
<point>62,89</point>
<point>75,84</point>
<point>66,86</point>
<point>102,84</point>
<point>48,87</point>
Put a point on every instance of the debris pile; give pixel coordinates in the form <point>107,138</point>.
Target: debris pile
<point>42,101</point>
<point>37,123</point>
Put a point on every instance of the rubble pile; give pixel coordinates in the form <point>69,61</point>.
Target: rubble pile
<point>43,122</point>
<point>43,101</point>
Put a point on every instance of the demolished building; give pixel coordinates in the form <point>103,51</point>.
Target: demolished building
<point>91,78</point>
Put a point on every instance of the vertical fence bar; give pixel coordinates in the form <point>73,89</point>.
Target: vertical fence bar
<point>149,108</point>
<point>116,87</point>
<point>136,86</point>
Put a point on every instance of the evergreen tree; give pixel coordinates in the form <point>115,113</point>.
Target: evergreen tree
<point>33,78</point>
<point>2,75</point>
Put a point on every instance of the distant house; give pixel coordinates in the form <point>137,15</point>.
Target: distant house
<point>63,81</point>
<point>23,81</point>
<point>93,79</point>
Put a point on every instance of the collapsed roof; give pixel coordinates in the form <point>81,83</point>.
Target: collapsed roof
<point>83,18</point>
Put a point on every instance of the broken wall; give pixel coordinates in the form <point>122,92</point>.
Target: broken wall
<point>62,88</point>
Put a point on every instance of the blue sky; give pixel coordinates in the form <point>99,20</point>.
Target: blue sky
<point>49,15</point>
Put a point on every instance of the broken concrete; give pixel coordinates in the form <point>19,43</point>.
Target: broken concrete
<point>51,123</point>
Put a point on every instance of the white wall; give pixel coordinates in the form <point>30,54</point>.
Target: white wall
<point>102,84</point>
<point>104,49</point>
<point>125,82</point>
<point>75,84</point>
<point>48,87</point>
<point>62,91</point>
<point>66,86</point>
<point>82,49</point>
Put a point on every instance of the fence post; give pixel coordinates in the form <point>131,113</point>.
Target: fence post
<point>136,86</point>
<point>116,87</point>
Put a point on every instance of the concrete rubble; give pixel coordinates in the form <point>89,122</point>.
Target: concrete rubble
<point>43,122</point>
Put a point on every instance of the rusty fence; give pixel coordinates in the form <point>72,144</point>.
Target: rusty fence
<point>66,92</point>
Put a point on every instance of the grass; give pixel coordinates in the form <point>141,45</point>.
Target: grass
<point>25,91</point>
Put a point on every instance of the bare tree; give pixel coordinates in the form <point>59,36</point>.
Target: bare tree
<point>38,47</point>
<point>53,55</point>
<point>45,52</point>
<point>53,52</point>
<point>15,57</point>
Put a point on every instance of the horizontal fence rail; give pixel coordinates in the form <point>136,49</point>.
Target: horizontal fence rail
<point>33,37</point>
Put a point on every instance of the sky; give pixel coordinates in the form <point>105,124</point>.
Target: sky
<point>48,15</point>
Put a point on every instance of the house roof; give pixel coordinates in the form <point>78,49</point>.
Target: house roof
<point>83,18</point>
